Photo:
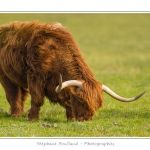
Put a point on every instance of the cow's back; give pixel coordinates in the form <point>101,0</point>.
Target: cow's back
<point>13,50</point>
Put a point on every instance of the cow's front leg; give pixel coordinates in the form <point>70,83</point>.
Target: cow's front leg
<point>37,97</point>
<point>34,111</point>
<point>69,114</point>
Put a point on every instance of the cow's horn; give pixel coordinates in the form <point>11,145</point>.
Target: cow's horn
<point>117,97</point>
<point>65,84</point>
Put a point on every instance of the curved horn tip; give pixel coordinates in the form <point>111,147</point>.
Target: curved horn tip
<point>60,79</point>
<point>140,95</point>
<point>59,87</point>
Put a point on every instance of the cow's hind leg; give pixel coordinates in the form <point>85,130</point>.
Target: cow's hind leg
<point>17,106</point>
<point>15,96</point>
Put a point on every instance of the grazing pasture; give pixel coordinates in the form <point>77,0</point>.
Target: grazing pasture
<point>117,49</point>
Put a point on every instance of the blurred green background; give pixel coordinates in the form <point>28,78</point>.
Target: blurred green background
<point>104,35</point>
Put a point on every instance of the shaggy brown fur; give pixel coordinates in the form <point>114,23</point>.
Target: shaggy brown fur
<point>32,56</point>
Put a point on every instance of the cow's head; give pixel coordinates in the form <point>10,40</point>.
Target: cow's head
<point>86,96</point>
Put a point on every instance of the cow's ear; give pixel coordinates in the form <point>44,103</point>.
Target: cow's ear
<point>81,88</point>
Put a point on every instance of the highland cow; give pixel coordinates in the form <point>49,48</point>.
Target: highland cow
<point>45,61</point>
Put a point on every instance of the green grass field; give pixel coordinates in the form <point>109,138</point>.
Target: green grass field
<point>117,49</point>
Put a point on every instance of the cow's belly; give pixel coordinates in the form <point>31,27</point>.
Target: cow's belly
<point>19,79</point>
